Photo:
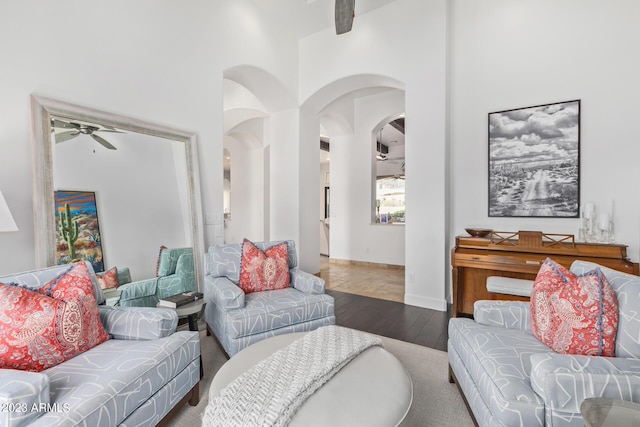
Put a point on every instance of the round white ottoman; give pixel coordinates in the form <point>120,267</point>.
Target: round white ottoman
<point>374,389</point>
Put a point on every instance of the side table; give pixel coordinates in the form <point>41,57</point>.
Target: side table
<point>604,412</point>
<point>111,296</point>
<point>191,311</point>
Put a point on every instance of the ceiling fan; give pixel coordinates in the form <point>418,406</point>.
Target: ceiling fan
<point>344,15</point>
<point>72,129</point>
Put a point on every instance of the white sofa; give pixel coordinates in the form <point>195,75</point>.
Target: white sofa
<point>509,378</point>
<point>138,377</point>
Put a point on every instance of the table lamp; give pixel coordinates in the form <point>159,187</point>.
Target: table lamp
<point>6,220</point>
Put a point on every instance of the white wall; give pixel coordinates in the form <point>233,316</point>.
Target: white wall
<point>164,63</point>
<point>284,168</point>
<point>157,66</point>
<point>137,195</point>
<point>247,192</point>
<point>516,54</point>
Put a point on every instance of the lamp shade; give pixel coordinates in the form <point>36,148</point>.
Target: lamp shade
<point>6,220</point>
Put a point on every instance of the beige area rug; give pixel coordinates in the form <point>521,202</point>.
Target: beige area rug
<point>435,401</point>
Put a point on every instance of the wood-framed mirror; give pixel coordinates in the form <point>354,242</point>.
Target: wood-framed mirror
<point>144,176</point>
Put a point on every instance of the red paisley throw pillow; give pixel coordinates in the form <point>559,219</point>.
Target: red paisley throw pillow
<point>108,279</point>
<point>44,327</point>
<point>264,271</point>
<point>574,314</point>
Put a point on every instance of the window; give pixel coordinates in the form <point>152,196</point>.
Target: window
<point>389,173</point>
<point>390,199</point>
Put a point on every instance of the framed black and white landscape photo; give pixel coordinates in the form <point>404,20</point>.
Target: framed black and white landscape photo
<point>534,161</point>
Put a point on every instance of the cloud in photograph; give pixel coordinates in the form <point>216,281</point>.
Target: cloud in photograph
<point>536,134</point>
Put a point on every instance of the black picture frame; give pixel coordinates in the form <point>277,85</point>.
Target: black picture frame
<point>534,161</point>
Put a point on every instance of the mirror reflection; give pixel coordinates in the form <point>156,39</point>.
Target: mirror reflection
<point>142,178</point>
<point>140,188</point>
<point>227,184</point>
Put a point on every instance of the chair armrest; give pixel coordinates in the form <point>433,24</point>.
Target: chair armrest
<point>138,323</point>
<point>20,393</point>
<point>171,285</point>
<point>306,282</point>
<point>124,275</point>
<point>506,314</point>
<point>563,381</point>
<point>141,293</point>
<point>223,293</point>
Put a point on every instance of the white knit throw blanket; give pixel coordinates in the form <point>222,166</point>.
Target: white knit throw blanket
<point>271,392</point>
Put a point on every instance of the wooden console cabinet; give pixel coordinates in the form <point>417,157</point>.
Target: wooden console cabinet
<point>519,255</point>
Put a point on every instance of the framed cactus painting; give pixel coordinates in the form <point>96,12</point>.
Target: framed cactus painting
<point>77,229</point>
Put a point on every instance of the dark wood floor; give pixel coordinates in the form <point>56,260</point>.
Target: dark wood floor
<point>392,319</point>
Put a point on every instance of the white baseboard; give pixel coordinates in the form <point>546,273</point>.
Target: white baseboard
<point>424,302</point>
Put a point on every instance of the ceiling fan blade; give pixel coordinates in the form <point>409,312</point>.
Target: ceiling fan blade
<point>344,15</point>
<point>65,136</point>
<point>103,141</point>
<point>56,123</point>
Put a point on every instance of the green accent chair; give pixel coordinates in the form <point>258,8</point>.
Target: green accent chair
<point>175,274</point>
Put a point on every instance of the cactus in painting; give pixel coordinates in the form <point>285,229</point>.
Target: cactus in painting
<point>68,229</point>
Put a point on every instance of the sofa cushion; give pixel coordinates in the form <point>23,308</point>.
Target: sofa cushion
<point>496,361</point>
<point>265,311</point>
<point>108,279</point>
<point>574,314</point>
<point>266,270</point>
<point>55,323</point>
<point>627,289</point>
<point>104,385</point>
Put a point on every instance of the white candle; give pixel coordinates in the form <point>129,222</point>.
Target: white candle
<point>603,221</point>
<point>588,210</point>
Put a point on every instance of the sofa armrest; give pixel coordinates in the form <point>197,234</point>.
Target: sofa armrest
<point>563,381</point>
<point>306,282</point>
<point>223,293</point>
<point>21,394</point>
<point>505,314</point>
<point>141,293</point>
<point>138,323</point>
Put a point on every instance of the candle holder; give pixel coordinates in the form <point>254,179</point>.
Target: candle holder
<point>594,227</point>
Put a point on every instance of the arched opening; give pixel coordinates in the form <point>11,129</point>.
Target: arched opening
<point>346,111</point>
<point>251,96</point>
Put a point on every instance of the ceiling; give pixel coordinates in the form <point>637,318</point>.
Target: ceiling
<point>392,134</point>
